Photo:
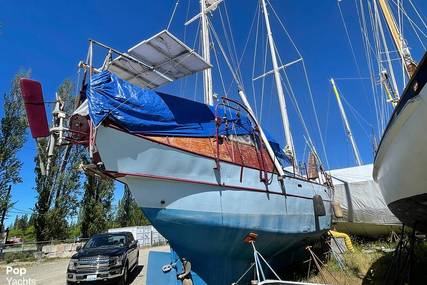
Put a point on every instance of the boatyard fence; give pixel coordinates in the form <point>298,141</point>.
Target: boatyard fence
<point>146,236</point>
<point>43,249</point>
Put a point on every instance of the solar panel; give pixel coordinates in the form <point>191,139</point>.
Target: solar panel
<point>157,61</point>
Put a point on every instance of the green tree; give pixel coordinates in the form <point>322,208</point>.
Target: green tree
<point>23,228</point>
<point>21,222</point>
<point>128,212</point>
<point>96,214</point>
<point>58,191</point>
<point>12,137</point>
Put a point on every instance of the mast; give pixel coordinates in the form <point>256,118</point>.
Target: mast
<point>207,73</point>
<point>400,43</point>
<point>388,81</point>
<point>346,124</point>
<point>279,87</point>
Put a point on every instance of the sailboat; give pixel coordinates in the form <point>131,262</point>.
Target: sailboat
<point>365,213</point>
<point>204,174</point>
<point>401,155</point>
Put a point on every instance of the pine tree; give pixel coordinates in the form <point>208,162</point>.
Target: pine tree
<point>96,215</point>
<point>12,137</point>
<point>128,212</point>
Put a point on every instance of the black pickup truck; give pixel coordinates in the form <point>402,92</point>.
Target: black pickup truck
<point>106,258</point>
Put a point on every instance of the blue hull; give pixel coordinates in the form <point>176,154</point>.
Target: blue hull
<point>206,212</point>
<point>217,252</point>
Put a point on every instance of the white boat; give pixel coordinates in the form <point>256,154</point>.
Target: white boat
<point>401,154</point>
<point>401,157</point>
<point>365,212</point>
<point>205,176</point>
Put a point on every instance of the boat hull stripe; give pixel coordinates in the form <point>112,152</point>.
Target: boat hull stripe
<point>149,176</point>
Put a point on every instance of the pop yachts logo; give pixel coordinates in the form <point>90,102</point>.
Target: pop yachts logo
<point>17,276</point>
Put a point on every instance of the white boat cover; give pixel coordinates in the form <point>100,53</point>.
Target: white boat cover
<point>361,201</point>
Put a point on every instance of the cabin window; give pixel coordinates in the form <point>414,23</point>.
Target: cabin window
<point>244,139</point>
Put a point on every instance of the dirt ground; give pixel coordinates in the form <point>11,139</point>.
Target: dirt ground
<point>53,272</point>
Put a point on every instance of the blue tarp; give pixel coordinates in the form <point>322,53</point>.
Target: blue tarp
<point>153,113</point>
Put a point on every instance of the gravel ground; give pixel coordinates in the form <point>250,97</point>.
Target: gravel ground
<point>53,272</point>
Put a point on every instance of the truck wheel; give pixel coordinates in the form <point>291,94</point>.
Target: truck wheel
<point>124,278</point>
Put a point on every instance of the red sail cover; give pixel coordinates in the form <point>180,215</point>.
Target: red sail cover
<point>34,106</point>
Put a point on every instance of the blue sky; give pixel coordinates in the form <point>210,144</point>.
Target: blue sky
<point>50,38</point>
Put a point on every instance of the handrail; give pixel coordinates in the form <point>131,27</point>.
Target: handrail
<point>263,167</point>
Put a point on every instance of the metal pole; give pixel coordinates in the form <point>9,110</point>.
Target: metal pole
<point>346,124</point>
<point>279,87</point>
<point>263,136</point>
<point>207,73</point>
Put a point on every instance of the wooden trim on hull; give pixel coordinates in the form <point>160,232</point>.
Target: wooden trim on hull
<point>118,175</point>
<point>229,151</point>
<point>180,144</point>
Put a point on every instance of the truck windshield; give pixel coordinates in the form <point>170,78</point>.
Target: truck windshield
<point>106,241</point>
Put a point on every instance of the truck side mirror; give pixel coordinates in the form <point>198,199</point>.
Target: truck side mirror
<point>78,248</point>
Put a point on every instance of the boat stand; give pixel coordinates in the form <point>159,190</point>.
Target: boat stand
<point>402,266</point>
<point>259,274</point>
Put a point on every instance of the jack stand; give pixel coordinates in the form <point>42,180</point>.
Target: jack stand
<point>259,274</point>
<point>401,269</point>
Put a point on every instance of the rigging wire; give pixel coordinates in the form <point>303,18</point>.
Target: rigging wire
<point>359,117</point>
<point>419,14</point>
<point>377,52</point>
<point>351,78</point>
<point>265,49</point>
<point>183,83</point>
<point>219,68</point>
<point>348,38</point>
<point>233,41</point>
<point>173,14</point>
<point>307,82</point>
<point>417,30</point>
<point>327,117</point>
<point>409,18</point>
<point>368,48</point>
<point>253,64</point>
<point>227,61</point>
